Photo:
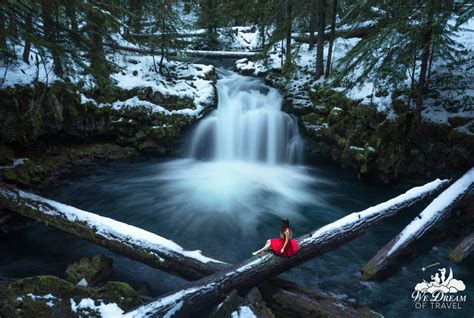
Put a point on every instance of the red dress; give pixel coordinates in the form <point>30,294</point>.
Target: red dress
<point>290,249</point>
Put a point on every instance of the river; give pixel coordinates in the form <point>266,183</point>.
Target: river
<point>243,172</point>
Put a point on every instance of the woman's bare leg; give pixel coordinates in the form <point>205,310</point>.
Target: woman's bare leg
<point>263,249</point>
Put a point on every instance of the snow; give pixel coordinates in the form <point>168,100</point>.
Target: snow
<point>111,310</point>
<point>374,211</point>
<point>190,82</point>
<point>82,283</point>
<point>172,301</point>
<point>427,218</point>
<point>16,162</point>
<point>35,297</point>
<point>243,312</point>
<point>250,264</point>
<point>437,109</point>
<point>115,230</point>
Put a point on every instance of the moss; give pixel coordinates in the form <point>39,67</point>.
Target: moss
<point>369,272</point>
<point>456,257</point>
<point>24,175</point>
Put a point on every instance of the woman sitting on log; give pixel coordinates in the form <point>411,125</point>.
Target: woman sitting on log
<point>282,246</point>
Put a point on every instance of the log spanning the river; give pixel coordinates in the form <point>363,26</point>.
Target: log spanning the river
<point>463,249</point>
<point>155,250</point>
<point>189,53</point>
<point>439,209</point>
<point>210,290</point>
<point>122,238</point>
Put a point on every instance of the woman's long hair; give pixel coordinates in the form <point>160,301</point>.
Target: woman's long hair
<point>285,224</point>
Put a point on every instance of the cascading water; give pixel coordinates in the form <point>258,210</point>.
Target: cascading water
<point>242,161</point>
<point>248,125</point>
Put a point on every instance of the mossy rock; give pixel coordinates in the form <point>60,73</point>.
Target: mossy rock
<point>50,296</point>
<point>42,285</point>
<point>116,292</point>
<point>24,175</point>
<point>95,269</point>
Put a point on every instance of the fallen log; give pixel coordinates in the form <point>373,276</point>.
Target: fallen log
<point>346,34</point>
<point>210,290</point>
<point>189,53</point>
<point>122,238</point>
<point>463,249</point>
<point>150,248</point>
<point>438,210</point>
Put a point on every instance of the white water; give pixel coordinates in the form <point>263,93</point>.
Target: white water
<point>242,159</point>
<point>248,125</point>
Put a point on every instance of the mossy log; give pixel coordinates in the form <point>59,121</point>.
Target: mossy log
<point>463,249</point>
<point>210,290</point>
<point>438,210</point>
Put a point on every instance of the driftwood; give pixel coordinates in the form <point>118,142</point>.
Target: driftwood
<point>463,249</point>
<point>300,301</point>
<point>438,210</point>
<point>210,290</point>
<point>174,261</point>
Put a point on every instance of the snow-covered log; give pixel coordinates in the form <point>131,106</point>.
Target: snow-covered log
<point>122,238</point>
<point>346,34</point>
<point>210,290</point>
<point>190,53</point>
<point>463,249</point>
<point>437,210</point>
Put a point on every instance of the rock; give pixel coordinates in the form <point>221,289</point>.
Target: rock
<point>235,305</point>
<point>116,292</point>
<point>50,296</point>
<point>7,155</point>
<point>458,121</point>
<point>24,175</point>
<point>94,269</point>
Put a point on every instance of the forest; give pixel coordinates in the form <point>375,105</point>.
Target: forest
<point>147,147</point>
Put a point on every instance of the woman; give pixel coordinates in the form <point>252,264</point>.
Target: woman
<point>283,246</point>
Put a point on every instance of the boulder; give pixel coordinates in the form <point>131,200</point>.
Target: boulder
<point>94,269</point>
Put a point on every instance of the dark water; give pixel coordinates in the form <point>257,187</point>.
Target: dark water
<point>230,214</point>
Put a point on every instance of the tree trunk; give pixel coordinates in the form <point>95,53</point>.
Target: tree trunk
<point>161,256</point>
<point>210,290</point>
<point>29,31</point>
<point>289,23</point>
<point>320,44</point>
<point>332,38</point>
<point>99,65</point>
<point>71,14</point>
<point>463,249</point>
<point>425,56</point>
<point>312,24</point>
<point>3,29</point>
<point>48,7</point>
<point>135,17</point>
<point>435,212</point>
<point>187,6</point>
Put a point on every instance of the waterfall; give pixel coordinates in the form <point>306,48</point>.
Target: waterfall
<point>248,125</point>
